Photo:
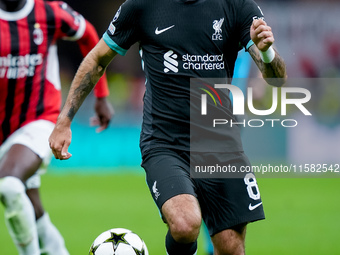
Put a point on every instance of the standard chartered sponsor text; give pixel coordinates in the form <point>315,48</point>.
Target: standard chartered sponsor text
<point>203,62</point>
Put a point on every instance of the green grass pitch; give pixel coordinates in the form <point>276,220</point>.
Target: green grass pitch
<point>302,214</point>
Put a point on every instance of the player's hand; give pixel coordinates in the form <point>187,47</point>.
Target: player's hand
<point>104,112</point>
<point>261,34</point>
<point>60,140</point>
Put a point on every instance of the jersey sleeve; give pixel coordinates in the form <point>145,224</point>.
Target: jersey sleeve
<point>122,32</point>
<point>247,12</point>
<point>70,24</point>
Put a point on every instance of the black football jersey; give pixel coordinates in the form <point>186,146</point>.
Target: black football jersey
<point>179,40</point>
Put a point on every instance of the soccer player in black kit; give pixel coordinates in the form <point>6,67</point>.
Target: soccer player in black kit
<point>179,40</point>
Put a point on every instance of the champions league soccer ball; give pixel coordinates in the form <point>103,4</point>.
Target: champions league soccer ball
<point>118,241</point>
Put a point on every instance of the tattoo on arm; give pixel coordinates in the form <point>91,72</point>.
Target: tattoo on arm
<point>275,72</point>
<point>89,72</point>
<point>80,93</point>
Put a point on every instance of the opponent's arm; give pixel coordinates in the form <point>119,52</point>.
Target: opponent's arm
<point>88,74</point>
<point>271,65</point>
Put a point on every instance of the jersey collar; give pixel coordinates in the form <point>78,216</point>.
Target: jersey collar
<point>22,13</point>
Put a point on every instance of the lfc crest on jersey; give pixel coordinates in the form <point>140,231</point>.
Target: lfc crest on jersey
<point>38,36</point>
<point>217,26</point>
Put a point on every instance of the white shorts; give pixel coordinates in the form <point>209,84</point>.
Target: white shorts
<point>35,136</point>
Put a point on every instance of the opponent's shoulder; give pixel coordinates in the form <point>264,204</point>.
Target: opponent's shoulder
<point>56,4</point>
<point>60,7</point>
<point>41,4</point>
<point>54,10</point>
<point>63,11</point>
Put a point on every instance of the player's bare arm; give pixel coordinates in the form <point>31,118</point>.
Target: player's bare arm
<point>88,74</point>
<point>274,72</point>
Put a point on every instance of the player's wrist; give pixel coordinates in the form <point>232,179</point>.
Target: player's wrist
<point>63,121</point>
<point>268,55</point>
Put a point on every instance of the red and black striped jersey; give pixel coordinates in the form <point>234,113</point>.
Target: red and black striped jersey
<point>29,67</point>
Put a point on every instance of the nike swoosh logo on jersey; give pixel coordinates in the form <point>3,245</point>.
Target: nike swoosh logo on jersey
<point>253,207</point>
<point>157,32</point>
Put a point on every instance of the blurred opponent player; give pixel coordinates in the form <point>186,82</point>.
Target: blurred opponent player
<point>30,101</point>
<point>179,40</point>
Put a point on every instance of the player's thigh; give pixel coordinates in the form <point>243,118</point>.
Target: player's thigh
<point>19,161</point>
<point>167,176</point>
<point>23,153</point>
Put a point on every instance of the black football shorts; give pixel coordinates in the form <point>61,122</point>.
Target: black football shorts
<point>225,202</point>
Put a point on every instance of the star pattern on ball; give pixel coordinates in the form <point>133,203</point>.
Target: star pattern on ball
<point>93,249</point>
<point>116,239</point>
<point>142,252</point>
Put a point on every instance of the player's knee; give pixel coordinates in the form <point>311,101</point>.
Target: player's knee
<point>183,216</point>
<point>11,189</point>
<point>186,229</point>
